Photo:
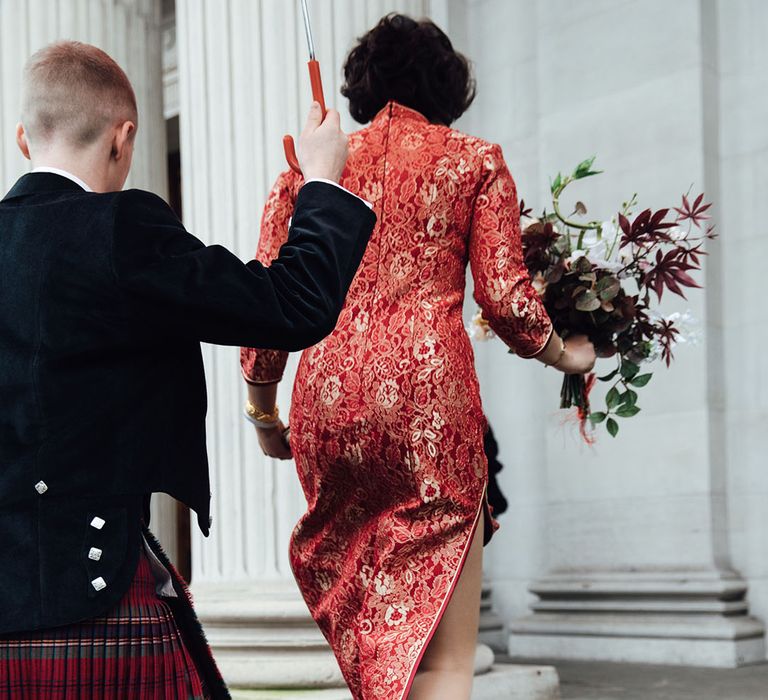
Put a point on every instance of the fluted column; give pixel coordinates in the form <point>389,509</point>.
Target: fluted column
<point>629,546</point>
<point>242,85</point>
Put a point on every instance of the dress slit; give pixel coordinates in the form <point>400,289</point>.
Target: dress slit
<point>482,508</point>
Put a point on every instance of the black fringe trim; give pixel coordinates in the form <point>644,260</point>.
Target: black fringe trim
<point>190,627</point>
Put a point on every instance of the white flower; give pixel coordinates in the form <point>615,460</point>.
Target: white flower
<point>601,249</point>
<point>478,329</point>
<point>687,325</point>
<point>654,352</point>
<point>677,233</point>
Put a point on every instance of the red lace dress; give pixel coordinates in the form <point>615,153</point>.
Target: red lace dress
<point>386,422</point>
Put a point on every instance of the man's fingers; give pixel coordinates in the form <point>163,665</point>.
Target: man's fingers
<point>314,119</point>
<point>332,119</point>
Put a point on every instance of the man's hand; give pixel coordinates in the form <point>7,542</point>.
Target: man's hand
<point>273,443</point>
<point>323,146</point>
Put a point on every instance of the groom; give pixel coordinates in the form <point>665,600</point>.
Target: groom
<point>104,300</point>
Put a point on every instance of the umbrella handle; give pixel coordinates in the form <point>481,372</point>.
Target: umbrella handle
<point>317,94</point>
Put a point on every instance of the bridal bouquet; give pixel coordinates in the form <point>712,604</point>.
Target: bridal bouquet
<point>606,279</point>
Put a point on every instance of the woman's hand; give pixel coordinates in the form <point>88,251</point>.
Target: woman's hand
<point>273,442</point>
<point>579,356</point>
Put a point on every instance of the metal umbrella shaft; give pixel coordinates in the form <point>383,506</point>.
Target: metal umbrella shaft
<point>317,87</point>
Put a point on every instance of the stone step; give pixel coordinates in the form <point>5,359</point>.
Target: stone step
<point>502,682</point>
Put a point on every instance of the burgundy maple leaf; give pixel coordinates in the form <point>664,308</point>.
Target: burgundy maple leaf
<point>667,334</point>
<point>694,213</point>
<point>647,228</point>
<point>671,271</point>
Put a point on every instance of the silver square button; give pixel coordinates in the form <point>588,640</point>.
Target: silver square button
<point>41,487</point>
<point>98,522</point>
<point>94,553</point>
<point>99,583</point>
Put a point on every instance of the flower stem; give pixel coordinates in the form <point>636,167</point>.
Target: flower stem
<point>592,225</point>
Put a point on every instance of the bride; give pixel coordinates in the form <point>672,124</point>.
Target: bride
<point>387,424</point>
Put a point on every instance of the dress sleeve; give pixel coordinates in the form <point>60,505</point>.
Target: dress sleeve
<point>261,365</point>
<point>503,289</point>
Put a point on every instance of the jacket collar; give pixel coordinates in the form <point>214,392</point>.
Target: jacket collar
<point>37,183</point>
<point>395,109</point>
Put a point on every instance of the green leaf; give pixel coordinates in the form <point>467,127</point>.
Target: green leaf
<point>613,398</point>
<point>629,398</point>
<point>583,167</point>
<point>627,411</point>
<point>608,377</point>
<point>613,427</point>
<point>608,288</point>
<point>588,301</point>
<point>629,369</point>
<point>597,417</point>
<point>582,265</point>
<point>641,380</point>
<point>558,181</point>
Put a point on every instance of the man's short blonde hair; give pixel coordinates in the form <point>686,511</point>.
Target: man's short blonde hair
<point>74,91</point>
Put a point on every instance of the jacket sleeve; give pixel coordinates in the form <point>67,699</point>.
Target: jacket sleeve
<point>503,288</point>
<point>175,285</point>
<point>261,365</point>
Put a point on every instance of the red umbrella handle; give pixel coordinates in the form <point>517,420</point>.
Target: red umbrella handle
<point>317,94</point>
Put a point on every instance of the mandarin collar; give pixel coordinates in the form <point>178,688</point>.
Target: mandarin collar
<point>399,110</point>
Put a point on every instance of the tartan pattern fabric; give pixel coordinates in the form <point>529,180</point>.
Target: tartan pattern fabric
<point>135,652</point>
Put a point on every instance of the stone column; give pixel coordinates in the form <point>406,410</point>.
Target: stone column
<point>129,31</point>
<point>242,85</point>
<point>626,545</point>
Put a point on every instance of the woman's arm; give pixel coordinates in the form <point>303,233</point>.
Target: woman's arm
<point>272,439</point>
<point>263,368</point>
<point>261,365</point>
<point>503,288</point>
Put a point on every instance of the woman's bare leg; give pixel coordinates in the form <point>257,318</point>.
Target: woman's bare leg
<point>447,667</point>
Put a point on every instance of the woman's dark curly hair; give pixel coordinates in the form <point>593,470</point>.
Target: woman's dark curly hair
<point>412,63</point>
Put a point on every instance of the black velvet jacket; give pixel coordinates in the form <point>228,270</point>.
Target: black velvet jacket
<point>104,300</point>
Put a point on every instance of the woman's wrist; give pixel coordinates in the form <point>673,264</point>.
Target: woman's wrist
<point>561,355</point>
<point>264,419</point>
<point>554,351</point>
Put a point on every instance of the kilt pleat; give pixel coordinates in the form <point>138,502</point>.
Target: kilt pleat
<point>135,652</point>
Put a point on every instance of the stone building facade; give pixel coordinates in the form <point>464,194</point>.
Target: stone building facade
<point>650,547</point>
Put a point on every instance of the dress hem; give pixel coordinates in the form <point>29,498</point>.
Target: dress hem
<point>448,597</point>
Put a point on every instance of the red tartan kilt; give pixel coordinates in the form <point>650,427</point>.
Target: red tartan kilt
<point>134,653</point>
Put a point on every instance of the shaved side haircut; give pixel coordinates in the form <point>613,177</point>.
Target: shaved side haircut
<point>74,91</point>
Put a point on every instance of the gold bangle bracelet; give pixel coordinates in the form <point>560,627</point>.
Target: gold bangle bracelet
<point>559,357</point>
<point>256,414</point>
